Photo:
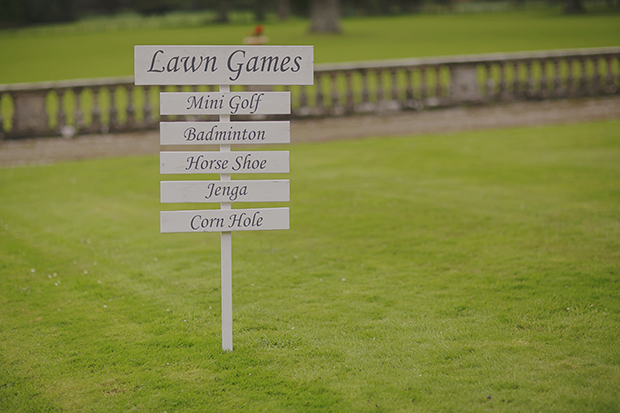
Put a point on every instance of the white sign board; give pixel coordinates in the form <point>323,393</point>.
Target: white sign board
<point>217,220</point>
<point>224,133</point>
<point>225,103</point>
<point>225,191</point>
<point>178,162</point>
<point>223,65</point>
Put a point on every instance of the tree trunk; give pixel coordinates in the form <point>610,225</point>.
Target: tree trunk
<point>325,16</point>
<point>259,10</point>
<point>223,12</point>
<point>284,9</point>
<point>574,7</point>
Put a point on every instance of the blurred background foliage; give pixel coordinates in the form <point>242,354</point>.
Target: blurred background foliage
<point>21,13</point>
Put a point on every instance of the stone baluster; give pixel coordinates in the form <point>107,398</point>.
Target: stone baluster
<point>423,86</point>
<point>529,92</point>
<point>409,85</point>
<point>148,109</point>
<point>303,97</point>
<point>570,78</point>
<point>438,92</point>
<point>488,83</point>
<point>557,80</point>
<point>50,130</point>
<point>380,91</point>
<point>78,121</point>
<point>365,91</point>
<point>610,87</point>
<point>319,92</point>
<point>14,115</point>
<point>394,79</point>
<point>155,115</point>
<point>350,101</point>
<point>62,117</point>
<point>617,57</point>
<point>2,128</point>
<point>131,116</point>
<point>502,80</point>
<point>113,112</point>
<point>583,80</point>
<point>11,120</point>
<point>516,84</point>
<point>543,79</point>
<point>335,96</point>
<point>95,125</point>
<point>596,78</point>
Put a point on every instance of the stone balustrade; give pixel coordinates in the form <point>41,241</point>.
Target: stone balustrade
<point>68,108</point>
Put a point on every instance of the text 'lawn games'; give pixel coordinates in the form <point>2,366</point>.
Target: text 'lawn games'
<point>224,66</point>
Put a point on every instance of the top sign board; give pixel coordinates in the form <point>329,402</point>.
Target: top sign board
<point>224,65</point>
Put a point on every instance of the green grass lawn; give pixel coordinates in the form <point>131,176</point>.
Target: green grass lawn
<point>473,272</point>
<point>31,56</point>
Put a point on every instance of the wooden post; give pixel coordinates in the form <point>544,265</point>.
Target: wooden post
<point>226,259</point>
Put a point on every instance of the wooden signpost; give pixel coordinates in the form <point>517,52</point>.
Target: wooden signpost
<point>222,133</point>
<point>223,162</point>
<point>224,66</point>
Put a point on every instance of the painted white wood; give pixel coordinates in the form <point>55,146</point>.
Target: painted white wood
<point>224,133</point>
<point>217,220</point>
<point>226,257</point>
<point>219,103</point>
<point>225,191</point>
<point>180,162</point>
<point>223,65</point>
<point>226,281</point>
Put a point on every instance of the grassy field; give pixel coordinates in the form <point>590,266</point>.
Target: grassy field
<point>30,56</point>
<point>469,272</point>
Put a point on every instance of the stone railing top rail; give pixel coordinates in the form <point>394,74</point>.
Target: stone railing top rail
<point>328,67</point>
<point>461,59</point>
<point>60,84</point>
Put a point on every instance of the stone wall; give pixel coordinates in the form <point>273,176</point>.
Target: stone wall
<point>115,105</point>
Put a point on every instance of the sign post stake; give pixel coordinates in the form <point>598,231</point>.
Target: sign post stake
<point>226,259</point>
